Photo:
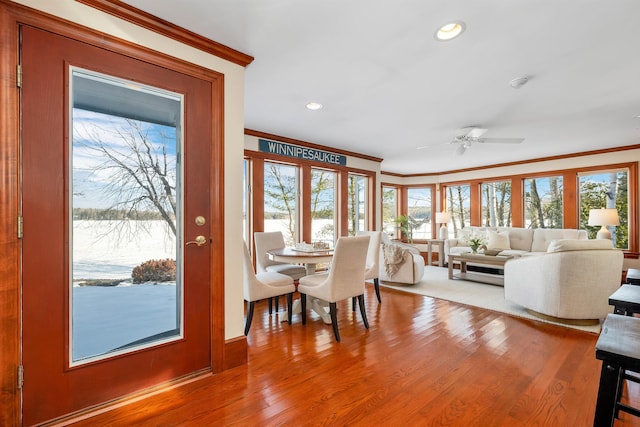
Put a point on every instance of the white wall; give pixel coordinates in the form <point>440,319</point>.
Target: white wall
<point>233,130</point>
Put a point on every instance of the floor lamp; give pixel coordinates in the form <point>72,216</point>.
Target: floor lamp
<point>603,217</point>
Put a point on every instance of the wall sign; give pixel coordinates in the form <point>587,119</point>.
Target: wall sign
<point>305,153</point>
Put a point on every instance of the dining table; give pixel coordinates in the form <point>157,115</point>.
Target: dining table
<point>310,259</point>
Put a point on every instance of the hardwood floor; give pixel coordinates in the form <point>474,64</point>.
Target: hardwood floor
<point>423,362</point>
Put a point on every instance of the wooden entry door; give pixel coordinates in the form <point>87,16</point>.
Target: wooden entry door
<point>62,80</point>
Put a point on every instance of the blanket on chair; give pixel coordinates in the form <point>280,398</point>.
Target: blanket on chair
<point>393,258</point>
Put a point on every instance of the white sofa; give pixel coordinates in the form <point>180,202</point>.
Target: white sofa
<point>408,268</point>
<point>521,241</point>
<point>572,280</point>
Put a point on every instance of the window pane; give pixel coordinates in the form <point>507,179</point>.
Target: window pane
<point>389,211</point>
<point>419,211</point>
<point>606,190</point>
<point>357,210</point>
<point>458,204</point>
<point>496,204</point>
<point>125,217</point>
<point>281,200</point>
<point>323,206</point>
<point>543,202</point>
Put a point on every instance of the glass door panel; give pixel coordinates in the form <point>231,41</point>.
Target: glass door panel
<point>125,210</point>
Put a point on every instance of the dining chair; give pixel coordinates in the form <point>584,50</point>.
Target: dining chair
<point>372,266</point>
<point>267,240</point>
<point>259,286</point>
<point>344,280</point>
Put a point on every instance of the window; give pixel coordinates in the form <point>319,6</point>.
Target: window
<point>607,189</point>
<point>323,206</point>
<point>458,203</point>
<point>496,203</point>
<point>358,203</point>
<point>389,211</point>
<point>281,200</point>
<point>419,211</point>
<point>543,202</point>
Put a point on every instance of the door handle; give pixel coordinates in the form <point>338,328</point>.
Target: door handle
<point>199,241</point>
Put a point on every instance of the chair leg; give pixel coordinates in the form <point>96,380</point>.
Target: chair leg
<point>353,303</point>
<point>363,312</point>
<point>303,302</point>
<point>270,305</point>
<point>277,299</point>
<point>334,319</point>
<point>247,323</point>
<point>290,306</point>
<point>376,285</point>
<point>607,394</point>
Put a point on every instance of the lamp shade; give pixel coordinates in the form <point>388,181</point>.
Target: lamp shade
<point>442,217</point>
<point>603,217</point>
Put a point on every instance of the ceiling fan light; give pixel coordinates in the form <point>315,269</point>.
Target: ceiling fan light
<point>450,31</point>
<point>517,83</point>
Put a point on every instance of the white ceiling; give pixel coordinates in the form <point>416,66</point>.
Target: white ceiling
<point>389,87</point>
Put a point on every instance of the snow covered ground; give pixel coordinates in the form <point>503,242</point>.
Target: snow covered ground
<point>108,317</point>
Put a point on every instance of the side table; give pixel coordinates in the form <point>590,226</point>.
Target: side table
<point>440,243</point>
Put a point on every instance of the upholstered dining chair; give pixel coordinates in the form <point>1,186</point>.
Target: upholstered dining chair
<point>372,266</point>
<point>259,286</point>
<point>267,240</point>
<point>344,280</point>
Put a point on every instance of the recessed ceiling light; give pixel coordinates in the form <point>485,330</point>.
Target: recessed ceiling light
<point>450,31</point>
<point>314,106</point>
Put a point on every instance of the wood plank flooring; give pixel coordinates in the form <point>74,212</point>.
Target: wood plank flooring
<point>423,362</point>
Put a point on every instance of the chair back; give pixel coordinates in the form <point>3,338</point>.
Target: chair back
<point>373,253</point>
<point>346,276</point>
<point>266,241</point>
<point>249,281</point>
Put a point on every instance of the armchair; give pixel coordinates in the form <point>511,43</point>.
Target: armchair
<point>399,262</point>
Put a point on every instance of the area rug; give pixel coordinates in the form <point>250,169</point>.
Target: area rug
<point>436,284</point>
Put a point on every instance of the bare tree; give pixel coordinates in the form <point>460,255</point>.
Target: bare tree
<point>137,174</point>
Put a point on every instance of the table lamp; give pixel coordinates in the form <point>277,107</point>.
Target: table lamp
<point>443,218</point>
<point>603,217</point>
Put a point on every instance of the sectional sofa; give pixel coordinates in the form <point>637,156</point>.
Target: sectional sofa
<point>511,240</point>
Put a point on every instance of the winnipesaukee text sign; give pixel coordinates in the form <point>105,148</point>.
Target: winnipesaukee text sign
<point>305,153</point>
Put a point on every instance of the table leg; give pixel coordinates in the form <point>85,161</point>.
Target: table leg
<point>440,254</point>
<point>317,305</point>
<point>450,270</point>
<point>429,253</point>
<point>310,268</point>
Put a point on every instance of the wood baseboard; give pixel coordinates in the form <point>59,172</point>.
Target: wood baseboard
<point>235,352</point>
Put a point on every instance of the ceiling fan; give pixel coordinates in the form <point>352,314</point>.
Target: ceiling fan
<point>471,135</point>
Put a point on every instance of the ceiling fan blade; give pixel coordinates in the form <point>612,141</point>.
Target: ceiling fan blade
<point>500,140</point>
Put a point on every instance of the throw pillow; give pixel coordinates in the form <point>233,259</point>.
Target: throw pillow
<point>498,240</point>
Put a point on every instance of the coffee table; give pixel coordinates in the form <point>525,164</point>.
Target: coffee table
<point>497,262</point>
